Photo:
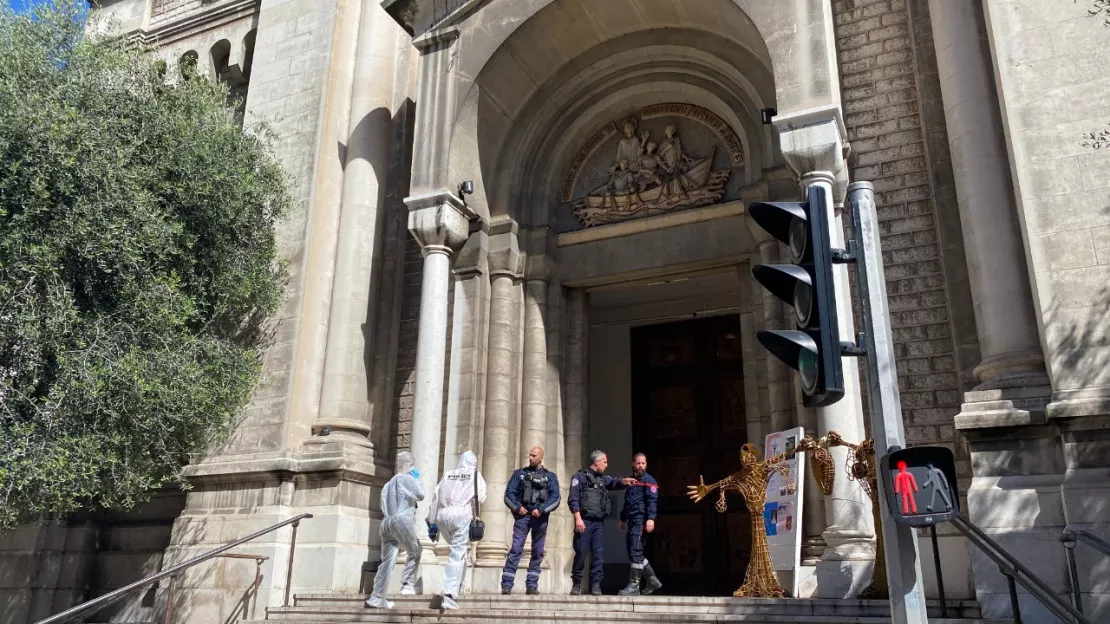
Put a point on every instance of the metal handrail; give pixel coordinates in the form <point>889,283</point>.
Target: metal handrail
<point>1087,538</point>
<point>1015,571</point>
<point>98,603</point>
<point>1069,537</point>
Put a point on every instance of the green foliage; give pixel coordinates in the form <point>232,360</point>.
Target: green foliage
<point>137,267</point>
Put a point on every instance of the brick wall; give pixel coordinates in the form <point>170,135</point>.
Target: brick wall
<point>890,148</point>
<point>406,346</point>
<point>401,420</point>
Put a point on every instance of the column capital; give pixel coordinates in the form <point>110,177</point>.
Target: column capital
<point>541,248</point>
<point>439,221</point>
<point>505,257</point>
<point>473,259</point>
<point>813,144</point>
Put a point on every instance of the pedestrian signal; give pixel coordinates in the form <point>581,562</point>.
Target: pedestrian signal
<point>920,485</point>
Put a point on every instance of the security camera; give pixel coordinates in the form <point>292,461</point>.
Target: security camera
<point>466,188</point>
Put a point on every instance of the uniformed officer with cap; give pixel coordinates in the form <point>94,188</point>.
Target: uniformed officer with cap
<point>589,502</point>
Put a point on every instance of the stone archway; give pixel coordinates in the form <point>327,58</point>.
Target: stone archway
<point>509,93</point>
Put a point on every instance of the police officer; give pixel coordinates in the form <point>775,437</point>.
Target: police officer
<point>531,495</point>
<point>641,502</point>
<point>589,502</point>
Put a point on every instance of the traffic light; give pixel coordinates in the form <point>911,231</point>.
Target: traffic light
<point>814,349</point>
<point>920,485</point>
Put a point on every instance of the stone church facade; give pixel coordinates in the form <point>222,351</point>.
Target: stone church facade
<point>594,289</point>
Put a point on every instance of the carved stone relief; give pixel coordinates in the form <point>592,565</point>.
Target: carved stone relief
<point>648,173</point>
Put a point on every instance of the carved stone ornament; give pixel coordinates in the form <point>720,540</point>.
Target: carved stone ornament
<point>649,176</point>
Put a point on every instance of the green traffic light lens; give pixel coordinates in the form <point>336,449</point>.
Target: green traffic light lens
<point>798,238</point>
<point>809,370</point>
<point>803,303</point>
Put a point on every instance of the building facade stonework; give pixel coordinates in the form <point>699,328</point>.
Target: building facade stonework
<point>594,291</point>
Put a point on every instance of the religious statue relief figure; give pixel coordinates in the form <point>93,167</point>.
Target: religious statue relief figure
<point>647,177</point>
<point>629,147</point>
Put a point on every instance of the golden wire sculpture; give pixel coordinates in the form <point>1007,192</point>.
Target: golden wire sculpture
<point>760,580</point>
<point>862,468</point>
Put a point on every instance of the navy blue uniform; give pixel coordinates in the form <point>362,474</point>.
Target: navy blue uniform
<point>589,498</point>
<point>640,505</point>
<point>523,485</point>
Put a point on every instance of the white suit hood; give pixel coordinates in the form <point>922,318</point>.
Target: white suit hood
<point>405,462</point>
<point>468,461</point>
<point>402,492</point>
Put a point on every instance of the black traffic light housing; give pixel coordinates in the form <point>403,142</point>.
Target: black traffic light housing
<point>814,349</point>
<point>920,485</point>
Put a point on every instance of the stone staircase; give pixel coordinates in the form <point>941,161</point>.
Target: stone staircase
<point>547,609</point>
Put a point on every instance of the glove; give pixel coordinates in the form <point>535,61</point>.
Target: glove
<point>433,532</point>
<point>415,474</point>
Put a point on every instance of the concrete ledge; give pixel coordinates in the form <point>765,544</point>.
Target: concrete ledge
<point>647,224</point>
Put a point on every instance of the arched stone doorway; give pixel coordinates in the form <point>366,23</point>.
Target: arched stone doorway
<point>543,106</point>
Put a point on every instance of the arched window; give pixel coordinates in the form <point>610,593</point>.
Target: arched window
<point>220,55</point>
<point>188,63</point>
<point>248,52</point>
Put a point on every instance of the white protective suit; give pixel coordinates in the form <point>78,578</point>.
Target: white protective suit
<point>451,510</point>
<point>399,497</point>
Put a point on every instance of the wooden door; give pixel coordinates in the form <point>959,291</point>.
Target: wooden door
<point>688,417</point>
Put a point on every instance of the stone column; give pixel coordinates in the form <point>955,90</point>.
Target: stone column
<point>812,144</point>
<point>533,424</point>
<point>578,378</point>
<point>776,315</point>
<point>343,402</point>
<point>506,266</point>
<point>440,222</point>
<point>539,248</point>
<point>1004,316</point>
<point>813,518</point>
<point>558,537</point>
<point>466,383</point>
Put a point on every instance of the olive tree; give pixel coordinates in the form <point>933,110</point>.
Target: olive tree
<point>138,266</point>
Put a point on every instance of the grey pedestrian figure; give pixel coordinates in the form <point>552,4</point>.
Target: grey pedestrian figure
<point>939,483</point>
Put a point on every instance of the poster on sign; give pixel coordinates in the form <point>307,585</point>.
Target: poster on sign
<point>782,513</point>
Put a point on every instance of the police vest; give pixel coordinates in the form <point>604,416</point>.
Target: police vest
<point>534,490</point>
<point>595,500</point>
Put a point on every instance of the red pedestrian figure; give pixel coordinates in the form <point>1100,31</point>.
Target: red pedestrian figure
<point>903,481</point>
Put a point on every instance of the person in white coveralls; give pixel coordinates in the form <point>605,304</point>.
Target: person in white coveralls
<point>398,529</point>
<point>451,511</point>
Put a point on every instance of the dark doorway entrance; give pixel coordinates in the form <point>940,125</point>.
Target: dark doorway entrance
<point>688,416</point>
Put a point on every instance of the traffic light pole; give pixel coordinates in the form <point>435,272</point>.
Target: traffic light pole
<point>903,562</point>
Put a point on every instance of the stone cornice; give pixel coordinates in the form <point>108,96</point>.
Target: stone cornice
<point>197,22</point>
<point>418,17</point>
<point>350,467</point>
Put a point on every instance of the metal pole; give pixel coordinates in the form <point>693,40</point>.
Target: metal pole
<point>1069,551</point>
<point>940,572</point>
<point>1015,608</point>
<point>289,573</point>
<point>257,586</point>
<point>903,561</point>
<point>169,603</point>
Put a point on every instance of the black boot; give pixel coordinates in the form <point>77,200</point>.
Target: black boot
<point>651,582</point>
<point>633,587</point>
<point>595,588</point>
<point>576,588</point>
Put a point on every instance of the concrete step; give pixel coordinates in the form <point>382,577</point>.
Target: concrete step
<point>544,609</point>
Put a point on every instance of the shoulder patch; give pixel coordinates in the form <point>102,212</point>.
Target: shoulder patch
<point>574,482</point>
